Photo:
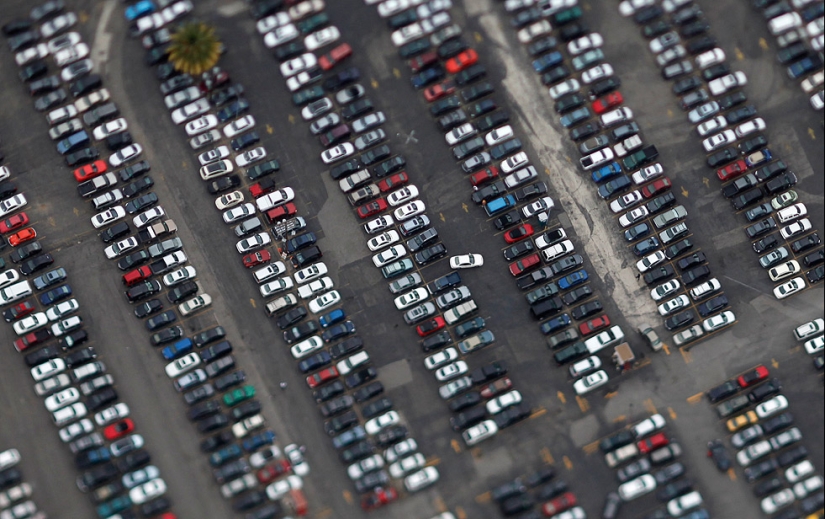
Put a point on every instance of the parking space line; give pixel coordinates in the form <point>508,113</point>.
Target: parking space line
<point>695,399</point>
<point>460,513</point>
<point>672,413</point>
<point>591,447</point>
<point>439,504</point>
<point>455,445</point>
<point>396,73</point>
<point>538,412</point>
<point>650,407</point>
<point>567,463</point>
<point>686,355</point>
<point>583,405</point>
<point>253,303</point>
<point>434,461</point>
<point>324,512</point>
<point>546,456</point>
<point>732,474</point>
<point>775,363</point>
<point>561,397</point>
<point>483,498</point>
<point>347,496</point>
<point>611,394</point>
<point>620,418</point>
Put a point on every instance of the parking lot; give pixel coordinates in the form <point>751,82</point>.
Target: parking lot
<point>562,428</point>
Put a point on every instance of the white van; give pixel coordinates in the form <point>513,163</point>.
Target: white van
<point>617,116</point>
<point>792,212</point>
<point>14,292</point>
<point>453,315</point>
<point>556,251</point>
<point>784,23</point>
<point>69,414</point>
<point>621,455</point>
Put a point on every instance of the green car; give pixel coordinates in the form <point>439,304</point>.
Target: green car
<point>236,396</point>
<point>110,508</point>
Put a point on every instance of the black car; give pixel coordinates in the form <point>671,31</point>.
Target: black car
<point>32,71</point>
<point>512,415</point>
<point>773,169</point>
<point>329,391</point>
<point>73,339</point>
<point>314,362</point>
<point>42,355</point>
<point>713,305</point>
<point>489,372</point>
<point>148,308</point>
<point>749,197</point>
<point>36,264</point>
<point>740,114</point>
<point>766,243</point>
<point>507,220</point>
<point>493,120</point>
<point>531,191</point>
<point>182,291</point>
<point>658,274</point>
<point>781,183</point>
<point>167,317</point>
<point>340,423</point>
<point>168,335</point>
<point>577,294</point>
<point>216,351</point>
<point>761,469</point>
<point>137,187</point>
<point>360,377</point>
<point>223,184</point>
<point>697,258</point>
<point>80,357</point>
<point>470,74</point>
<point>430,254</point>
<point>586,310</point>
<point>50,100</point>
<point>357,452</point>
<point>25,251</point>
<point>436,341</point>
<point>291,317</point>
<point>43,85</point>
<point>118,140</point>
<point>245,410</point>
<point>765,390</point>
<point>377,407</point>
<point>82,156</point>
<point>300,242</point>
<point>619,439</point>
<point>391,435</point>
<point>300,332</point>
<point>141,202</point>
<point>369,391</point>
<point>232,379</point>
<point>135,170</point>
<point>244,141</point>
<point>719,454</point>
<point>676,489</point>
<point>518,250</point>
<point>680,320</point>
<point>760,228</point>
<point>346,347</point>
<point>695,275</point>
<point>133,260</point>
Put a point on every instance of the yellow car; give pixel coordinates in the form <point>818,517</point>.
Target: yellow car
<point>736,423</point>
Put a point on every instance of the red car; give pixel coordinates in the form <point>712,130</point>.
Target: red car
<point>322,376</point>
<point>559,505</point>
<point>19,310</point>
<point>732,170</point>
<point>263,187</point>
<point>379,497</point>
<point>270,472</point>
<point>372,208</point>
<point>519,233</point>
<point>119,429</point>
<point>23,236</point>
<point>256,258</point>
<point>90,171</point>
<point>423,61</point>
<point>607,102</point>
<point>431,326</point>
<point>657,187</point>
<point>30,339</point>
<point>753,376</point>
<point>213,79</point>
<point>495,388</point>
<point>594,325</point>
<point>134,277</point>
<point>652,443</point>
<point>484,176</point>
<point>461,61</point>
<point>339,53</point>
<point>14,222</point>
<point>281,212</point>
<point>393,181</point>
<point>523,265</point>
<point>440,90</point>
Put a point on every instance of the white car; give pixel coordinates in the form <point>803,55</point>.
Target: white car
<point>516,161</point>
<point>369,464</point>
<point>678,506</point>
<point>182,365</point>
<point>383,240</point>
<point>648,425</point>
<point>9,205</point>
<point>593,40</point>
<point>557,251</point>
<point>110,128</point>
<point>303,9</point>
<point>633,216</point>
<point>590,382</point>
<point>8,277</point>
<point>314,288</point>
<point>466,261</point>
<point>273,287</point>
<point>337,153</point>
<point>321,303</point>
<point>272,22</point>
<point>460,133</point>
<point>412,297</point>
<point>47,369</point>
<point>213,155</point>
<point>638,487</point>
<point>665,289</point>
<point>121,247</point>
<point>238,213</point>
<point>321,38</point>
<point>541,205</point>
<point>307,346</point>
<point>238,125</point>
<point>295,65</point>
<point>650,261</point>
<point>403,195</point>
<point>125,154</point>
<point>279,488</point>
<point>62,399</point>
<point>629,7</point>
<point>585,366</point>
<point>264,456</point>
<point>781,499</point>
<point>379,224</point>
<point>533,31</point>
<point>66,325</point>
<point>295,456</point>
<point>400,450</point>
<point>76,69</point>
<point>716,141</point>
<point>391,7</point>
<point>501,403</point>
<point>710,126</point>
<point>75,430</point>
<point>229,200</point>
<point>70,55</point>
<point>254,242</point>
<point>647,173</point>
<point>711,57</point>
<point>268,272</point>
<point>275,199</point>
<point>62,309</point>
<point>721,85</point>
<point>389,255</point>
<point>201,124</point>
<point>146,491</point>
<point>58,24</point>
<point>809,329</point>
<point>110,414</point>
<point>498,135</point>
<point>625,202</point>
<point>58,115</point>
<point>565,87</point>
<point>407,34</point>
<point>108,216</point>
<point>281,35</point>
<point>179,276</point>
<point>25,57</point>
<point>451,371</point>
<point>788,288</point>
<point>795,228</point>
<point>148,216</point>
<point>478,433</point>
<point>407,465</point>
<point>315,109</point>
<point>186,112</point>
<point>309,273</point>
<point>441,358</point>
<point>673,305</point>
<point>718,321</point>
<point>771,407</point>
<point>375,425</point>
<point>353,361</point>
<point>30,323</point>
<point>795,473</point>
<point>406,212</point>
<point>598,72</point>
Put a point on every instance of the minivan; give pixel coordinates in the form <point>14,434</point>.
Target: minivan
<point>282,303</point>
<point>73,142</point>
<point>14,292</point>
<point>499,205</point>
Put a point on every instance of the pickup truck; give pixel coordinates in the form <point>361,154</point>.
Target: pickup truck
<point>596,159</point>
<point>288,227</point>
<point>640,158</point>
<point>168,262</point>
<point>444,282</point>
<point>94,185</point>
<point>157,230</point>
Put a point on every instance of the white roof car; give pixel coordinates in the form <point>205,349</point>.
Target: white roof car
<point>271,22</point>
<point>542,204</point>
<point>30,323</point>
<point>95,98</point>
<point>315,287</point>
<point>391,7</point>
<point>718,140</point>
<point>617,116</point>
<point>682,504</point>
<point>295,455</point>
<point>593,40</point>
<point>772,406</point>
<point>110,128</point>
<point>721,85</point>
<point>52,384</point>
<point>718,321</point>
<point>182,365</point>
<point>520,176</point>
<point>421,479</point>
<point>711,57</point>
<point>58,24</point>
<point>558,250</point>
<point>674,305</point>
<point>379,224</point>
<point>638,487</point>
<point>315,109</point>
<point>238,125</point>
<point>455,387</point>
<point>66,325</point>
<point>626,201</point>
<point>712,125</point>
<point>633,216</point>
<point>14,494</point>
<point>383,240</point>
<point>407,34</point>
<point>650,261</point>
<point>533,31</point>
<point>411,298</point>
<point>264,456</point>
<point>480,432</point>
<point>254,242</point>
<point>665,289</point>
<point>125,154</point>
<point>196,303</point>
<point>789,287</point>
<point>242,428</point>
<point>460,133</point>
<point>795,228</point>
<point>337,153</point>
<point>629,7</point>
<point>362,467</point>
<point>278,489</point>
<point>110,414</point>
<point>792,212</point>
<point>148,216</point>
<point>500,134</point>
<point>70,432</point>
<point>504,401</point>
<point>178,276</point>
<point>321,303</point>
<point>353,361</point>
<point>295,65</point>
<point>121,247</point>
<point>565,87</point>
<point>274,199</point>
<point>649,425</point>
<point>408,464</point>
<point>273,287</point>
<point>809,329</point>
<point>598,72</point>
<point>585,366</point>
<point>280,35</point>
<point>375,425</point>
<point>516,161</point>
<point>309,273</point>
<point>307,346</point>
<point>201,124</point>
<point>9,458</point>
<point>108,216</point>
<point>229,200</point>
<point>796,472</point>
<point>441,358</point>
<point>213,155</point>
<point>409,210</point>
<point>389,255</point>
<point>403,195</point>
<point>238,213</point>
<point>58,115</point>
<point>774,502</point>
<point>400,449</point>
<point>466,261</point>
<point>450,371</point>
<point>647,173</point>
<point>8,277</point>
<point>186,112</point>
<point>705,289</point>
<point>26,56</point>
<point>146,491</point>
<point>298,11</point>
<point>323,37</point>
<point>71,54</point>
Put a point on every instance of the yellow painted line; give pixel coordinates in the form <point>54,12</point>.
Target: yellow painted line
<point>567,463</point>
<point>441,215</point>
<point>476,453</point>
<point>253,303</point>
<point>50,221</point>
<point>347,496</point>
<point>620,418</point>
<point>455,445</point>
<point>291,119</point>
<point>83,16</point>
<point>396,73</point>
<point>695,398</point>
<point>465,207</point>
<point>732,474</point>
<point>650,407</point>
<point>568,159</point>
<point>546,456</point>
<point>763,43</point>
<point>706,181</point>
<point>483,498</point>
<point>672,413</point>
<point>478,37</point>
<point>738,53</point>
<point>583,405</point>
<point>812,134</point>
<point>669,112</point>
<point>460,513</point>
<point>774,363</point>
<point>434,461</point>
<point>561,397</point>
<point>269,129</point>
<point>684,192</point>
<point>591,447</point>
<point>667,350</point>
<point>610,395</point>
<point>439,504</point>
<point>183,164</point>
<point>587,7</point>
<point>538,412</point>
<point>547,170</point>
<point>374,83</point>
<point>686,355</point>
<point>326,512</point>
<point>76,211</point>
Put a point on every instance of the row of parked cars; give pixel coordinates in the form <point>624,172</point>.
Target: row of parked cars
<point>15,493</point>
<point>738,151</point>
<point>810,334</point>
<point>646,459</point>
<point>798,27</point>
<point>76,388</point>
<point>370,470</point>
<point>541,487</point>
<point>767,444</point>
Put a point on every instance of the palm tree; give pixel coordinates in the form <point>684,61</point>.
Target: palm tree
<point>194,48</point>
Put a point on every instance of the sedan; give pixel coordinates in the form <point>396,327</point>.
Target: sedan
<point>451,371</point>
<point>253,242</point>
<point>125,154</point>
<point>466,261</point>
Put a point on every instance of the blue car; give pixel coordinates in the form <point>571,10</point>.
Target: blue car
<point>254,443</point>
<point>645,247</point>
<point>556,323</point>
<point>606,172</point>
<point>54,295</point>
<point>617,185</point>
<point>142,8</point>
<point>427,76</point>
<point>547,61</point>
<point>225,455</point>
<point>179,349</point>
<point>571,280</point>
<point>110,508</point>
<point>333,317</point>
